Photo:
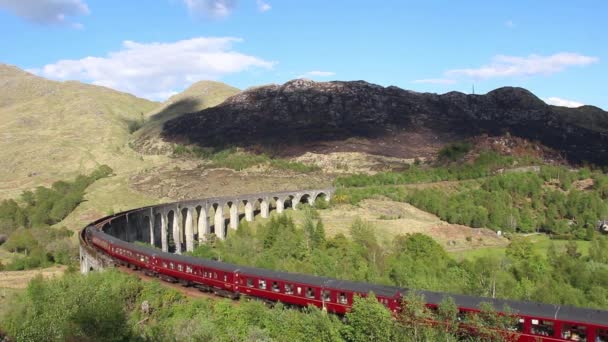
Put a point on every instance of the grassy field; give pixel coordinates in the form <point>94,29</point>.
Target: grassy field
<point>540,242</point>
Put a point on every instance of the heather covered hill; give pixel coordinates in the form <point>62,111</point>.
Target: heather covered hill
<point>307,113</point>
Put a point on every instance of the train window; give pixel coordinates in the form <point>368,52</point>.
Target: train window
<point>171,266</point>
<point>180,267</point>
<point>289,288</point>
<point>310,293</point>
<point>214,275</point>
<point>326,296</point>
<point>299,289</point>
<point>147,259</point>
<point>188,269</point>
<point>262,284</point>
<point>602,335</point>
<point>342,298</point>
<point>542,327</point>
<point>205,274</point>
<point>275,286</point>
<point>520,325</point>
<point>225,277</point>
<point>574,332</point>
<point>164,264</point>
<point>142,259</point>
<point>249,282</point>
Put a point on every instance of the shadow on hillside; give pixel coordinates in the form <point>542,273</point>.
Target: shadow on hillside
<point>169,112</point>
<point>175,109</point>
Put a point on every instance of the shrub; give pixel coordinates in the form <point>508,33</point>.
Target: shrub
<point>282,164</point>
<point>455,151</point>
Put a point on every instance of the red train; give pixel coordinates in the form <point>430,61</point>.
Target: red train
<point>536,322</point>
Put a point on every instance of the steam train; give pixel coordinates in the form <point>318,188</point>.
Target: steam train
<point>535,321</point>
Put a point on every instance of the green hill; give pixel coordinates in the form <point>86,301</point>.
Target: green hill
<point>54,130</point>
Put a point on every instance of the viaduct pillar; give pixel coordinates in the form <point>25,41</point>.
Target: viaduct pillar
<point>249,211</point>
<point>189,231</point>
<point>219,222</point>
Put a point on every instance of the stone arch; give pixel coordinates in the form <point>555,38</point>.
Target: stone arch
<point>321,196</point>
<point>306,199</point>
<point>171,239</point>
<point>143,228</point>
<point>157,230</point>
<point>288,202</point>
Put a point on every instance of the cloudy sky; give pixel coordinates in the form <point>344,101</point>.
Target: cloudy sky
<point>557,49</point>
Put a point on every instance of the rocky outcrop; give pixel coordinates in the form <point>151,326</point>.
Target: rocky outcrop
<point>304,111</point>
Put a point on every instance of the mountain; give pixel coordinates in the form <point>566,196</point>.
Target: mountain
<point>200,95</point>
<point>54,130</point>
<point>306,112</point>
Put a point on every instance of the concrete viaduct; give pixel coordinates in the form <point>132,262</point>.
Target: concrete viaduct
<point>178,227</point>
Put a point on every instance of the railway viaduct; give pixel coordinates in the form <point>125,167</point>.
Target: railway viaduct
<point>179,226</point>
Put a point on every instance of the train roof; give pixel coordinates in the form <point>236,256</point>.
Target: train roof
<point>362,287</point>
<point>550,311</point>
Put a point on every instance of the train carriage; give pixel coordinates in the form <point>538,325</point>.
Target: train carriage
<point>534,321</point>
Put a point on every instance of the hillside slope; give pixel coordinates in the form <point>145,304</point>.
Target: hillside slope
<point>199,96</point>
<point>303,112</point>
<point>53,130</point>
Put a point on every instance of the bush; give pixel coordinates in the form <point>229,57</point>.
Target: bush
<point>282,164</point>
<point>455,151</point>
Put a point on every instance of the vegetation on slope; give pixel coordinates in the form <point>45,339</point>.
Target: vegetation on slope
<point>522,273</point>
<point>111,306</point>
<point>236,159</point>
<point>543,198</point>
<point>27,223</point>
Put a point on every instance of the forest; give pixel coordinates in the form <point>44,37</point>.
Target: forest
<point>496,192</point>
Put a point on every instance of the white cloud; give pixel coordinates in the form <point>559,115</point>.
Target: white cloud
<point>510,24</point>
<point>155,70</point>
<point>211,8</point>
<point>435,81</point>
<point>263,6</point>
<point>508,66</point>
<point>317,73</point>
<point>556,101</point>
<point>47,12</point>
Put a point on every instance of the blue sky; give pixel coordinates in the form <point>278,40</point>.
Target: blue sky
<point>557,49</point>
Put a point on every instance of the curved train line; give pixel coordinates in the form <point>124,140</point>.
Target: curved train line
<point>109,241</point>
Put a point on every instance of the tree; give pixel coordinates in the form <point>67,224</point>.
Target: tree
<point>414,316</point>
<point>368,320</point>
<point>598,250</point>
